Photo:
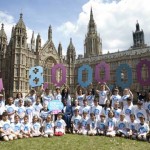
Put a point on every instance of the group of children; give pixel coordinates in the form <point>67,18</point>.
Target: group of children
<point>92,112</point>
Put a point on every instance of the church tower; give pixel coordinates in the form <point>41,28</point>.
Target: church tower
<point>93,43</point>
<point>138,37</point>
<point>71,59</point>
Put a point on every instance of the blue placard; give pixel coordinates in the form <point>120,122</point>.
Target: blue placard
<point>119,80</point>
<point>36,76</point>
<point>89,80</point>
<point>55,105</point>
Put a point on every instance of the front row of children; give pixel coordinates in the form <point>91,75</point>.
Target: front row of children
<point>85,125</point>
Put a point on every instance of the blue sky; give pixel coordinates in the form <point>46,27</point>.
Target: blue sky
<point>115,20</point>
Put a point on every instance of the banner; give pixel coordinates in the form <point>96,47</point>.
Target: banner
<point>55,106</point>
<point>36,76</point>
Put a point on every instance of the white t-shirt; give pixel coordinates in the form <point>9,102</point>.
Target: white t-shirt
<point>115,98</point>
<point>105,111</point>
<point>111,123</point>
<point>117,113</point>
<point>85,109</point>
<point>35,126</point>
<point>76,121</point>
<point>5,125</point>
<point>44,114</point>
<point>37,108</point>
<point>101,125</point>
<point>103,97</point>
<point>147,106</point>
<point>2,109</point>
<point>76,107</point>
<point>132,125</point>
<point>32,98</point>
<point>58,97</point>
<point>21,111</point>
<point>122,125</point>
<point>16,127</point>
<point>48,126</point>
<point>11,109</point>
<point>26,127</point>
<point>92,123</point>
<point>128,110</point>
<point>83,122</point>
<point>97,110</point>
<point>60,124</point>
<point>30,113</point>
<point>80,98</point>
<point>124,99</point>
<point>142,128</point>
<point>90,99</point>
<point>47,98</point>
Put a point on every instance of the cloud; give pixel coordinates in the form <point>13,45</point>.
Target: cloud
<point>115,20</point>
<point>9,22</point>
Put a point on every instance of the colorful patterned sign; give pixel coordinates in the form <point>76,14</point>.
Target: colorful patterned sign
<point>89,80</point>
<point>119,80</point>
<point>139,72</point>
<point>45,86</point>
<point>54,69</point>
<point>1,84</point>
<point>36,76</point>
<point>106,68</point>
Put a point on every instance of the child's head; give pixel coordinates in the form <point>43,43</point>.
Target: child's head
<point>125,91</point>
<point>85,114</point>
<point>102,87</point>
<point>35,118</point>
<point>122,116</point>
<point>116,104</point>
<point>76,111</point>
<point>47,91</point>
<point>38,100</point>
<point>142,119</point>
<point>45,106</point>
<point>110,114</point>
<point>76,102</point>
<point>129,100</point>
<point>10,100</point>
<point>5,116</point>
<point>20,102</point>
<point>59,116</point>
<point>85,102</point>
<point>132,117</point>
<point>95,101</point>
<point>57,90</point>
<point>26,119</point>
<point>64,101</point>
<point>107,102</point>
<point>92,116</point>
<point>116,91</point>
<point>29,103</point>
<point>49,118</point>
<point>139,104</point>
<point>102,116</point>
<point>19,95</point>
<point>16,118</point>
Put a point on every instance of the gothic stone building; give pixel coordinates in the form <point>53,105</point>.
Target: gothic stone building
<point>18,56</point>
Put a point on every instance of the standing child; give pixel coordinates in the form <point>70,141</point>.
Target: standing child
<point>142,129</point>
<point>48,127</point>
<point>75,121</point>
<point>5,128</point>
<point>60,125</point>
<point>115,97</point>
<point>117,110</point>
<point>16,127</point>
<point>26,128</point>
<point>101,125</point>
<point>92,124</point>
<point>35,127</point>
<point>111,124</point>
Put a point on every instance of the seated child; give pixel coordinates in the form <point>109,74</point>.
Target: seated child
<point>132,127</point>
<point>92,124</point>
<point>60,125</point>
<point>75,121</point>
<point>101,125</point>
<point>5,128</point>
<point>48,127</point>
<point>110,124</point>
<point>16,127</point>
<point>83,123</point>
<point>35,127</point>
<point>121,126</point>
<point>142,129</point>
<point>26,128</point>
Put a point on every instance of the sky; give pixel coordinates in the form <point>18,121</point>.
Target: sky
<point>115,20</point>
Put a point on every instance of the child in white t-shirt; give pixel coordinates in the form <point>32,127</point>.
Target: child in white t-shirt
<point>29,111</point>
<point>101,125</point>
<point>5,128</point>
<point>59,125</point>
<point>35,127</point>
<point>75,121</point>
<point>92,125</point>
<point>26,128</point>
<point>48,127</point>
<point>83,124</point>
<point>116,97</point>
<point>111,124</point>
<point>16,127</point>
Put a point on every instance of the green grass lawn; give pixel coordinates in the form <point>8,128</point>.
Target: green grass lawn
<point>75,142</point>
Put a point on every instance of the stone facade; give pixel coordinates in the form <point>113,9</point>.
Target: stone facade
<point>17,57</point>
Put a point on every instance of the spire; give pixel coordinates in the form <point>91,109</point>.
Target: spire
<point>50,33</point>
<point>91,15</point>
<point>20,23</point>
<point>60,49</point>
<point>2,32</point>
<point>33,39</point>
<point>137,26</point>
<point>38,42</point>
<point>71,46</point>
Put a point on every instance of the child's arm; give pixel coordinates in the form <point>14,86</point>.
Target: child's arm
<point>131,94</point>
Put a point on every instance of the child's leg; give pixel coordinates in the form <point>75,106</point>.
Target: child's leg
<point>10,137</point>
<point>45,135</point>
<point>20,136</point>
<point>5,138</point>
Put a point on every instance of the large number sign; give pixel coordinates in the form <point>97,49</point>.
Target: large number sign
<point>1,84</point>
<point>55,106</point>
<point>106,69</point>
<point>89,78</point>
<point>36,76</point>
<point>119,81</point>
<point>63,80</point>
<point>139,72</point>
